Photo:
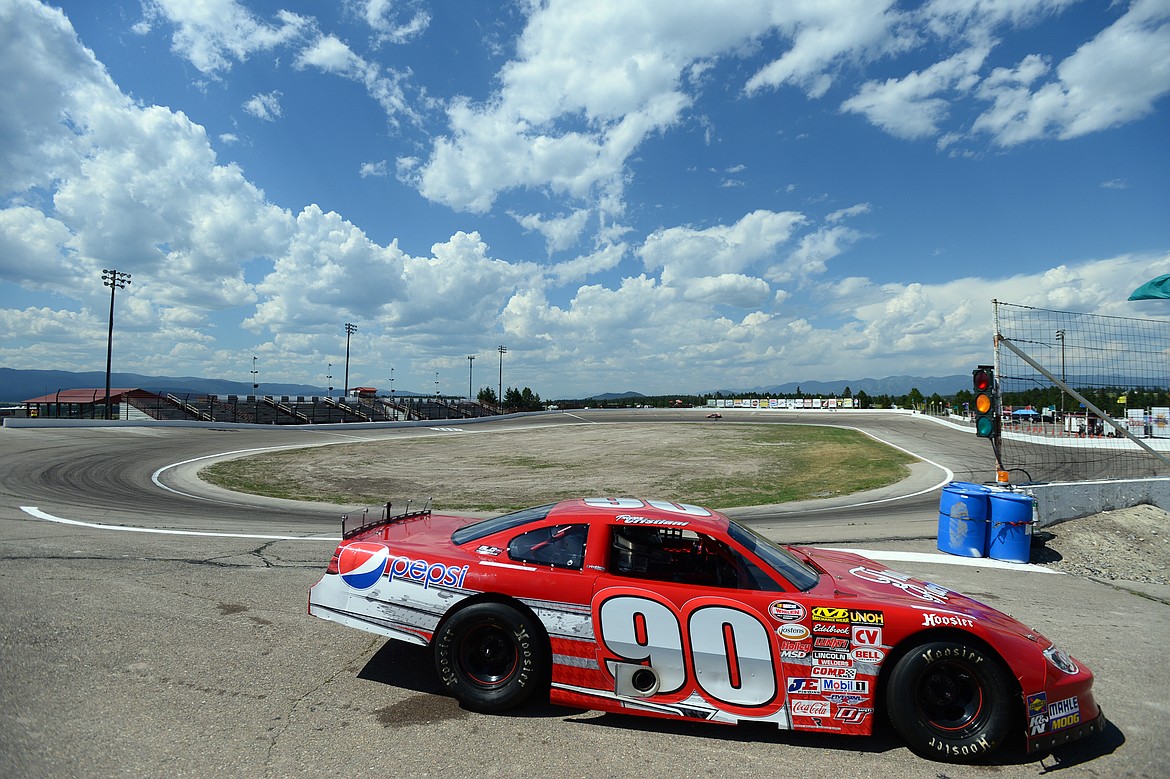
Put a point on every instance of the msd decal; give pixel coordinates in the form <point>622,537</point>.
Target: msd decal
<point>361,564</point>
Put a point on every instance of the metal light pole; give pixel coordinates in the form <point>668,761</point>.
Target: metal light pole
<point>255,391</point>
<point>470,362</point>
<point>500,390</point>
<point>349,330</point>
<point>115,280</point>
<point>1060,337</point>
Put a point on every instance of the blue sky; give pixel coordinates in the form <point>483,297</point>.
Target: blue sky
<point>657,196</point>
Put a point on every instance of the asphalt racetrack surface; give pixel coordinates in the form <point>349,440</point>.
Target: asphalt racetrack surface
<point>154,626</point>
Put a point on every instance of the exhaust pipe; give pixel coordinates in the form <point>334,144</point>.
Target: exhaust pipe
<point>638,681</point>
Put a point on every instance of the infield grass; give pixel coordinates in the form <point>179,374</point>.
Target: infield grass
<point>719,465</point>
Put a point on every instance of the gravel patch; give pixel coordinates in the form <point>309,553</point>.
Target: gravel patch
<point>1126,545</point>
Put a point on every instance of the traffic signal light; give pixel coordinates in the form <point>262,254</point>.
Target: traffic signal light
<point>986,408</point>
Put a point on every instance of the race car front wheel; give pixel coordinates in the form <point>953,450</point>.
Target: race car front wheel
<point>490,656</point>
<point>950,701</point>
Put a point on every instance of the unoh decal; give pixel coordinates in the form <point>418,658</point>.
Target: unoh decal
<point>361,564</point>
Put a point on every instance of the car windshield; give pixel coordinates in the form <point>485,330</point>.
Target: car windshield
<point>800,574</point>
<point>487,527</point>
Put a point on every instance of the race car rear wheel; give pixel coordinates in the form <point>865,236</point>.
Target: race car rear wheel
<point>490,656</point>
<point>950,701</point>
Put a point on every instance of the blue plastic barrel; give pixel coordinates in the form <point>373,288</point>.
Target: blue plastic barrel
<point>1011,527</point>
<point>963,512</point>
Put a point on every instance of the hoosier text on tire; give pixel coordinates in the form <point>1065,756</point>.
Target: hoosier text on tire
<point>951,701</point>
<point>490,656</point>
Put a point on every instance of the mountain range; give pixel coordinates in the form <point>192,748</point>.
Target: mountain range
<point>891,385</point>
<point>19,385</point>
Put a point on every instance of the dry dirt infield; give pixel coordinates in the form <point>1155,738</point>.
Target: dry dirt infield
<point>709,464</point>
<point>719,465</point>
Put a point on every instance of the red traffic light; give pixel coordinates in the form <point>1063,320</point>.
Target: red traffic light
<point>982,379</point>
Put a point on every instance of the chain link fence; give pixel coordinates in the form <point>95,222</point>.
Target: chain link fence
<point>1082,396</point>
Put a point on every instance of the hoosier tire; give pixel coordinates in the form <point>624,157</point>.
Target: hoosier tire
<point>491,657</point>
<point>950,701</point>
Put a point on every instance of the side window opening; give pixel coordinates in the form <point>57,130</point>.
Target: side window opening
<point>683,557</point>
<point>561,546</point>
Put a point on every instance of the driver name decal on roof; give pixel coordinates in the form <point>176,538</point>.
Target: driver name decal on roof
<point>631,519</point>
<point>635,503</point>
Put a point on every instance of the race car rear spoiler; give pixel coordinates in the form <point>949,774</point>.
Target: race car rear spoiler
<point>353,524</point>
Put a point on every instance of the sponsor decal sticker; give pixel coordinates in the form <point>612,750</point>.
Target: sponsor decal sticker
<point>852,715</point>
<point>630,519</point>
<point>793,632</point>
<point>845,685</point>
<point>833,662</point>
<point>830,629</point>
<point>829,614</point>
<point>834,673</point>
<point>931,620</point>
<point>865,617</point>
<point>867,654</point>
<point>863,635</point>
<point>421,572</point>
<point>786,611</point>
<point>362,563</point>
<point>811,709</point>
<point>798,686</point>
<point>1037,706</point>
<point>828,642</point>
<point>825,654</point>
<point>922,590</point>
<point>794,648</point>
<point>493,551</point>
<point>1064,714</point>
<point>846,699</point>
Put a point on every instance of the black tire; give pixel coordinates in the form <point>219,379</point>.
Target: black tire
<point>951,701</point>
<point>491,657</point>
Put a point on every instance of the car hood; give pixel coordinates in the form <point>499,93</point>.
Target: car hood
<point>854,576</point>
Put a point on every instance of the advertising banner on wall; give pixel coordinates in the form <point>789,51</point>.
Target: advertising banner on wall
<point>1160,422</point>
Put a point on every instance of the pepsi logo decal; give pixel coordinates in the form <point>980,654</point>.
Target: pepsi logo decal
<point>361,564</point>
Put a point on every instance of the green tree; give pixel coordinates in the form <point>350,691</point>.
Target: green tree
<point>521,400</point>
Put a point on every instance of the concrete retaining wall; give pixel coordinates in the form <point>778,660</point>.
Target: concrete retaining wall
<point>1070,500</point>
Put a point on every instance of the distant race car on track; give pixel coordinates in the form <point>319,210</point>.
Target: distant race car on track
<point>672,610</point>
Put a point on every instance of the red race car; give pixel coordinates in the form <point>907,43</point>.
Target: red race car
<point>672,610</point>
